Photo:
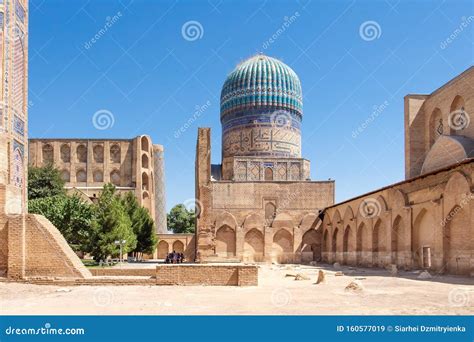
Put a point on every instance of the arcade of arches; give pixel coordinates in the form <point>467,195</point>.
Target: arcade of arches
<point>422,223</point>
<point>181,243</point>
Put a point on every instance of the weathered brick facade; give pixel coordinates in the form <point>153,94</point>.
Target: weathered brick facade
<point>424,222</point>
<point>262,221</point>
<point>85,165</point>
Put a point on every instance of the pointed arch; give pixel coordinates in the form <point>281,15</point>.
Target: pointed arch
<point>398,199</point>
<point>360,242</point>
<point>383,204</point>
<point>379,244</point>
<point>178,246</point>
<point>348,246</point>
<point>270,212</point>
<point>336,219</point>
<point>457,190</point>
<point>334,244</point>
<point>65,152</point>
<point>254,221</point>
<point>225,242</point>
<point>162,249</point>
<point>457,240</point>
<point>436,125</point>
<point>282,246</point>
<point>48,154</point>
<point>145,144</point>
<point>326,245</point>
<point>226,219</point>
<point>283,220</point>
<point>457,106</point>
<point>253,246</point>
<point>145,161</point>
<point>423,234</point>
<point>311,246</point>
<point>348,214</point>
<point>398,242</point>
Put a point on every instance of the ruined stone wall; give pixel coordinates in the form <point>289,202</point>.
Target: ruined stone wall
<point>214,275</point>
<point>422,223</point>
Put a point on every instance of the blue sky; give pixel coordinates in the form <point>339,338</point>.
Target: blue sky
<point>151,76</point>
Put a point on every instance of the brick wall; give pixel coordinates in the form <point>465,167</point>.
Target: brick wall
<point>130,272</point>
<point>33,247</point>
<point>216,275</point>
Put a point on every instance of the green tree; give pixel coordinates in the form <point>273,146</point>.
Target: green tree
<point>70,214</point>
<point>142,224</point>
<point>112,224</point>
<point>145,231</point>
<point>44,181</point>
<point>181,220</point>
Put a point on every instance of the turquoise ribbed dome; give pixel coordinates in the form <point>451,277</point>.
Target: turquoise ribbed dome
<point>261,110</point>
<point>262,81</point>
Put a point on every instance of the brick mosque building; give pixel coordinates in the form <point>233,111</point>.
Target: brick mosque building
<point>259,204</point>
<point>134,165</point>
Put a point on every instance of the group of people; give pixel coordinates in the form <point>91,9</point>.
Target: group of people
<point>174,258</point>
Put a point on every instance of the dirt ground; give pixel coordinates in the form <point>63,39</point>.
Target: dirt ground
<point>380,294</point>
